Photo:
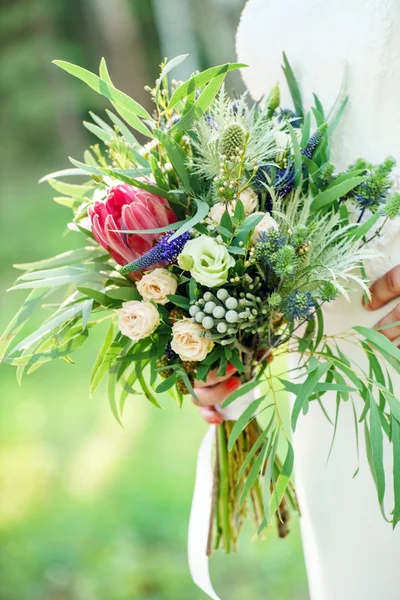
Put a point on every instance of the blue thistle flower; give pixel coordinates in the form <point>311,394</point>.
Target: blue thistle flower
<point>298,305</point>
<point>291,116</point>
<point>314,141</point>
<point>365,202</point>
<point>166,251</point>
<point>282,180</point>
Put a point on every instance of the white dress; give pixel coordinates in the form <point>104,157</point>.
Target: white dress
<point>351,552</point>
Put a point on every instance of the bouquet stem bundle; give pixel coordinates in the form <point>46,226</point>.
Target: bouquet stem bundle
<point>232,501</point>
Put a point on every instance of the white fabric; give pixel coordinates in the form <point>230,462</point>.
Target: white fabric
<point>351,552</point>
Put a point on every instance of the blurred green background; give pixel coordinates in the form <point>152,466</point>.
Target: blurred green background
<point>90,511</point>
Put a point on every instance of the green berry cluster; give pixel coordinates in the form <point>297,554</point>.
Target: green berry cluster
<point>392,206</point>
<point>223,315</point>
<point>328,293</point>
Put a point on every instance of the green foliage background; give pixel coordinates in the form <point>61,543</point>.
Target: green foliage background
<point>89,510</point>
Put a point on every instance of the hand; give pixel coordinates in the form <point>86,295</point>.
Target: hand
<point>214,391</point>
<point>384,290</point>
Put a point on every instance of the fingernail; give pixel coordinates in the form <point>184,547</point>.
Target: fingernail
<point>232,384</point>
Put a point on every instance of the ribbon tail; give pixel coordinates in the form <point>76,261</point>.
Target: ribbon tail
<point>200,517</point>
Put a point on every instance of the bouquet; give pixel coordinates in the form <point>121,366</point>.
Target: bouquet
<point>213,247</point>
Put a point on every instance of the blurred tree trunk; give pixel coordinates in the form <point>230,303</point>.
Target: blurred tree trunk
<point>177,33</point>
<point>122,46</point>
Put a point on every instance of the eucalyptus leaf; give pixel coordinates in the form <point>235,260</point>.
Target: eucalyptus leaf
<point>188,87</point>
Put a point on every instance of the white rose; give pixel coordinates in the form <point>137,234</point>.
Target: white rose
<point>188,341</point>
<point>216,211</point>
<point>250,201</point>
<point>207,260</point>
<point>157,285</point>
<point>138,320</point>
<point>266,223</point>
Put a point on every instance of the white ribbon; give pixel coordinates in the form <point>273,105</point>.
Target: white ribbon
<point>199,522</point>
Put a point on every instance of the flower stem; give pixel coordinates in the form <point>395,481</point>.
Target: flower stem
<point>224,488</point>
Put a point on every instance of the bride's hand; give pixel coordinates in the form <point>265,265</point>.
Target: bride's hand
<point>214,391</point>
<point>384,290</point>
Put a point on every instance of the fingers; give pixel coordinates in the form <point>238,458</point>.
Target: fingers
<point>211,415</point>
<point>392,333</point>
<point>385,289</point>
<point>215,394</point>
<point>213,378</point>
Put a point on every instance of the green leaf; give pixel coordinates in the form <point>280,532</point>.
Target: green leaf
<point>80,255</point>
<point>242,421</point>
<point>118,175</point>
<point>239,211</point>
<point>150,397</point>
<point>123,129</point>
<point>61,316</point>
<point>62,173</point>
<point>102,124</point>
<point>250,223</point>
<point>99,370</point>
<point>130,117</point>
<point>201,104</point>
<point>111,388</point>
<point>293,87</point>
<point>97,296</point>
<point>376,439</point>
<point>319,106</point>
<point>180,301</point>
<point>166,384</point>
<point>174,62</point>
<point>124,293</point>
<point>188,87</point>
<point>282,481</point>
<point>104,136</point>
<point>62,350</point>
<point>297,154</point>
<point>396,470</point>
<point>70,189</point>
<point>308,388</point>
<point>306,130</point>
<point>105,89</point>
<point>254,473</point>
<point>226,223</point>
<point>201,213</point>
<point>338,115</point>
<point>363,228</point>
<point>244,389</point>
<point>379,341</point>
<point>176,155</point>
<point>334,192</point>
<point>31,304</point>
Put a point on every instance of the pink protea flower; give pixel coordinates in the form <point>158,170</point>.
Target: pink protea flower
<point>127,207</point>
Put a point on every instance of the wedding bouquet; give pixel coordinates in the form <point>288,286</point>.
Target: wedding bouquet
<point>213,247</point>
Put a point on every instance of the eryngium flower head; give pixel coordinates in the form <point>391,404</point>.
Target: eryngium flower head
<point>298,305</point>
<point>127,207</point>
<point>232,140</point>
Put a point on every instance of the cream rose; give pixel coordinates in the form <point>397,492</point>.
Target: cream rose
<point>207,260</point>
<point>138,320</point>
<point>216,211</point>
<point>189,342</point>
<point>157,285</point>
<point>250,201</point>
<point>266,223</point>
